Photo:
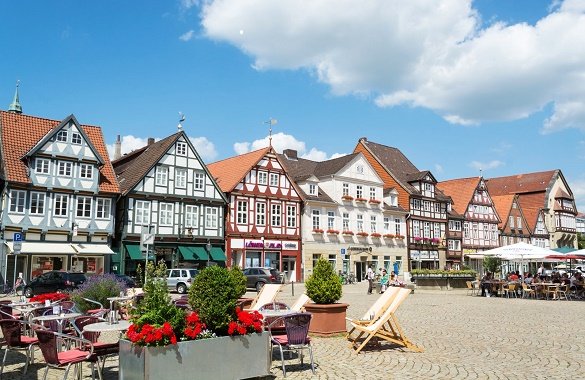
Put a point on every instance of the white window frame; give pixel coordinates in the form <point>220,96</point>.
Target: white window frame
<point>416,204</point>
<point>262,177</point>
<point>162,175</point>
<point>291,216</point>
<point>519,222</point>
<point>373,223</point>
<point>386,225</point>
<point>274,179</point>
<point>86,171</point>
<point>181,178</point>
<point>37,203</point>
<point>165,213</point>
<point>103,208</point>
<point>312,189</point>
<point>76,138</point>
<point>372,193</point>
<point>331,220</point>
<point>191,216</point>
<point>181,148</point>
<point>83,207</point>
<point>260,213</point>
<point>511,221</point>
<point>61,205</point>
<point>65,168</point>
<point>42,166</point>
<point>199,181</point>
<point>17,201</point>
<point>360,223</point>
<point>345,189</point>
<point>397,224</point>
<point>242,212</point>
<point>211,216</point>
<point>62,135</point>
<point>142,212</point>
<point>276,215</point>
<point>345,221</point>
<point>359,191</point>
<point>316,219</point>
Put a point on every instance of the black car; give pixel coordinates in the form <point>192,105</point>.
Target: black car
<point>127,280</point>
<point>258,277</point>
<point>53,281</point>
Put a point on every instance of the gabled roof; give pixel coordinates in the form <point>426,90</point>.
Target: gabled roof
<point>333,166</point>
<point>20,133</point>
<point>503,205</point>
<point>521,183</point>
<point>229,172</point>
<point>562,194</point>
<point>531,205</point>
<point>461,191</point>
<point>299,169</point>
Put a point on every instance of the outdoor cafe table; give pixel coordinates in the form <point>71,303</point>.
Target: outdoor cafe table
<point>119,326</point>
<point>112,300</point>
<point>60,318</point>
<point>272,315</point>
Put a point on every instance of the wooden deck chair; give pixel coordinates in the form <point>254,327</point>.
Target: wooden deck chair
<point>300,302</point>
<point>267,294</point>
<point>386,327</point>
<point>376,310</point>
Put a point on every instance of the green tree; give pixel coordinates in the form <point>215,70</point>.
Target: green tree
<point>492,264</point>
<point>581,240</point>
<point>323,286</point>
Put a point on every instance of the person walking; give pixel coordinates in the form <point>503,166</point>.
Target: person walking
<point>370,278</point>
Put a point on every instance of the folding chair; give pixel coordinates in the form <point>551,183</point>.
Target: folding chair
<point>385,328</point>
<point>376,310</point>
<point>299,304</point>
<point>267,295</point>
<point>296,339</point>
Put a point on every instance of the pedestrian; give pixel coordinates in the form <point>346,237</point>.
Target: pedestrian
<point>384,281</point>
<point>370,278</point>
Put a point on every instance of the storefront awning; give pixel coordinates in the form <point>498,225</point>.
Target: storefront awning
<point>199,252</point>
<point>44,248</point>
<point>187,253</point>
<point>134,252</point>
<point>217,254</point>
<point>93,249</point>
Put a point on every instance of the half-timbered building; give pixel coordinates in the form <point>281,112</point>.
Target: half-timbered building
<point>472,200</point>
<point>347,218</point>
<point>417,193</point>
<point>168,191</point>
<point>59,192</point>
<point>513,225</point>
<point>263,219</point>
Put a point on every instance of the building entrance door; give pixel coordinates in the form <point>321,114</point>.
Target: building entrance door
<point>289,269</point>
<point>360,270</point>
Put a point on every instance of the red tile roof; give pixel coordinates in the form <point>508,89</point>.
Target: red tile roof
<point>20,133</point>
<point>461,190</point>
<point>229,172</point>
<point>521,183</point>
<point>531,205</point>
<point>503,205</point>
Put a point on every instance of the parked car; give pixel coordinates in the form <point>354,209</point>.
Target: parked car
<point>180,279</point>
<point>129,281</point>
<point>53,281</point>
<point>257,277</point>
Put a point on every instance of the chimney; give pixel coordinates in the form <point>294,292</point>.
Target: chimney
<point>117,148</point>
<point>150,140</point>
<point>291,154</point>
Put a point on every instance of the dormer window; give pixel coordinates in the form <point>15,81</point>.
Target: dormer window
<point>62,136</point>
<point>181,149</point>
<point>76,138</point>
<point>429,190</point>
<point>312,189</point>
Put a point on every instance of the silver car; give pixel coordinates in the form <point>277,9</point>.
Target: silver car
<point>180,279</point>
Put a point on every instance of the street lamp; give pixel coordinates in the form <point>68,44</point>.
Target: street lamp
<point>208,249</point>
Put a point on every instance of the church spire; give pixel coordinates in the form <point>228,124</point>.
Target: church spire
<point>15,105</point>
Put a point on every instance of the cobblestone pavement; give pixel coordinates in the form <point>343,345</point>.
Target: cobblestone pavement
<point>464,337</point>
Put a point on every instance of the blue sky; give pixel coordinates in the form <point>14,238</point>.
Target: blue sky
<point>456,85</point>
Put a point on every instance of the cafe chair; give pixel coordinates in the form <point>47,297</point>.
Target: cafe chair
<point>509,289</point>
<point>296,338</point>
<point>47,341</point>
<point>16,341</point>
<point>563,292</point>
<point>98,309</point>
<point>102,350</point>
<point>527,292</point>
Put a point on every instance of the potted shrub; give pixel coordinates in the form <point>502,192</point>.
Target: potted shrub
<point>165,341</point>
<point>324,288</point>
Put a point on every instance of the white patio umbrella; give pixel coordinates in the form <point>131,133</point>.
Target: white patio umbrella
<point>520,251</point>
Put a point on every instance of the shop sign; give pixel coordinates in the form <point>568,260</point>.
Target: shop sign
<point>272,244</point>
<point>290,246</point>
<point>354,249</point>
<point>254,244</point>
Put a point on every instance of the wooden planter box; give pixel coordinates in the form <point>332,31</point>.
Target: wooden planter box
<point>327,319</point>
<point>237,357</point>
<point>441,282</point>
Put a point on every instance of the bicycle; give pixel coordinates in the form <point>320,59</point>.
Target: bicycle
<point>8,291</point>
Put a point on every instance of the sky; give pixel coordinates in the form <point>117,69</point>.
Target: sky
<point>463,88</point>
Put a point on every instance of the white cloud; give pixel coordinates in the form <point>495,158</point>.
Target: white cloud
<point>438,168</point>
<point>486,165</point>
<point>437,55</point>
<point>188,4</point>
<point>282,141</point>
<point>187,36</point>
<point>205,148</point>
<point>578,188</point>
<point>502,147</point>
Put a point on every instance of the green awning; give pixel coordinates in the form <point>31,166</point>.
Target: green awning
<point>200,253</point>
<point>217,254</point>
<point>134,252</point>
<point>187,253</point>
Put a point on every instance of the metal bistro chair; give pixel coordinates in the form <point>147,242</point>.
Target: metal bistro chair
<point>296,339</point>
<point>102,350</point>
<point>16,341</point>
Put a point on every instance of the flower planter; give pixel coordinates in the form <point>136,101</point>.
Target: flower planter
<point>247,355</point>
<point>328,319</point>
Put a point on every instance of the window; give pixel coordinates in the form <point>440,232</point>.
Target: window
<point>393,200</point>
<point>83,207</point>
<point>397,226</point>
<point>345,221</point>
<point>17,200</point>
<point>519,222</point>
<point>429,190</point>
<point>415,228</point>
<point>333,261</point>
<point>103,208</point>
<point>331,220</point>
<point>62,136</point>
<point>312,189</point>
<point>262,178</point>
<point>60,208</point>
<point>274,179</point>
<point>416,204</point>
<point>373,224</point>
<point>181,178</point>
<point>37,203</point>
<point>166,214</point>
<point>142,212</point>
<point>427,205</point>
<point>162,175</point>
<point>211,216</point>
<point>345,189</point>
<point>242,212</point>
<point>291,216</point>
<point>359,193</point>
<point>454,245</point>
<point>427,230</point>
<point>437,230</point>
<point>86,171</point>
<point>511,220</point>
<point>466,230</point>
<point>199,181</point>
<point>316,217</point>
<point>276,215</point>
<point>261,214</point>
<point>372,193</point>
<point>76,138</point>
<point>316,258</point>
<point>191,216</point>
<point>474,231</point>
<point>42,166</point>
<point>437,207</point>
<point>386,225</point>
<point>181,149</point>
<point>360,223</point>
<point>64,168</point>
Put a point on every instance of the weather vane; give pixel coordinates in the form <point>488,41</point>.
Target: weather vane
<point>181,119</point>
<point>270,123</point>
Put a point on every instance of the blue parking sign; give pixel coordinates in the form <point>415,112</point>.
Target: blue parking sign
<point>342,251</point>
<point>17,237</point>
